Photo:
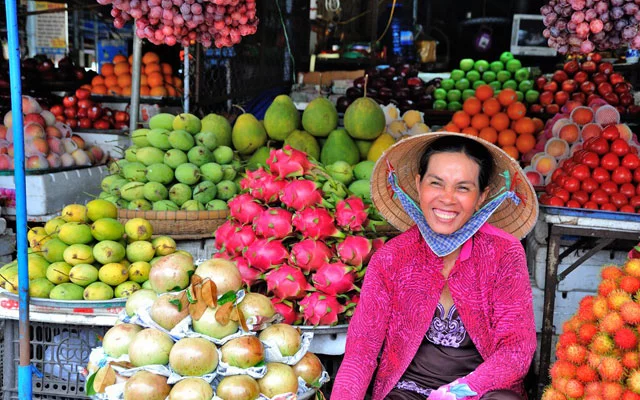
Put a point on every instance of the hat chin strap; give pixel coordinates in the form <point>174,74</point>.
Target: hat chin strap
<point>440,244</point>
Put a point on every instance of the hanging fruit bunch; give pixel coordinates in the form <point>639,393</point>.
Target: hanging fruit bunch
<point>305,239</point>
<point>582,26</point>
<point>219,22</point>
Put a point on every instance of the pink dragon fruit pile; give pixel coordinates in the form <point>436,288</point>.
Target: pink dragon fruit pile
<point>283,230</point>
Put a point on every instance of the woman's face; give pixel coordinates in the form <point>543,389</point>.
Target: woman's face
<point>449,193</point>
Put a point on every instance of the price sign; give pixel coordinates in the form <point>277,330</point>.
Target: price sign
<point>49,31</point>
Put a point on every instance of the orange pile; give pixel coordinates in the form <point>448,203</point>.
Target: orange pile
<point>156,78</point>
<point>500,120</point>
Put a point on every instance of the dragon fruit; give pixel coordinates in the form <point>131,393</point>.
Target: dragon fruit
<point>264,254</point>
<point>238,239</point>
<point>320,309</point>
<point>350,306</point>
<point>375,245</point>
<point>273,222</point>
<point>351,214</point>
<point>244,208</point>
<point>334,278</point>
<point>354,250</point>
<point>288,162</point>
<point>223,232</point>
<point>315,223</point>
<point>287,283</point>
<point>253,178</point>
<point>262,185</point>
<point>309,255</point>
<point>287,310</point>
<point>300,194</point>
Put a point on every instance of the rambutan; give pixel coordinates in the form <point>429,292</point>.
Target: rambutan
<point>586,332</point>
<point>611,271</point>
<point>629,395</point>
<point>612,390</point>
<point>630,313</point>
<point>576,353</point>
<point>632,267</point>
<point>594,388</point>
<point>617,298</point>
<point>592,397</point>
<point>562,369</point>
<point>600,307</point>
<point>629,284</point>
<point>602,344</point>
<point>625,338</point>
<point>561,353</point>
<point>572,324</point>
<point>631,360</point>
<point>633,381</point>
<point>586,374</point>
<point>611,369</point>
<point>611,322</point>
<point>574,389</point>
<point>552,394</point>
<point>607,286</point>
<point>567,337</point>
<point>585,309</point>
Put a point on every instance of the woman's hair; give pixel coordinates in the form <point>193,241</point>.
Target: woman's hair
<point>469,147</point>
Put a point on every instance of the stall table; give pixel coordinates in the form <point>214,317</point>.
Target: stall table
<point>599,229</point>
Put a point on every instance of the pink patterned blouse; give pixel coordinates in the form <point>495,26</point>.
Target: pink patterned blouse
<point>491,290</point>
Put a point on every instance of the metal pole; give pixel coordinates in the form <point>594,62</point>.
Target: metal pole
<point>134,111</point>
<point>187,80</point>
<point>24,369</point>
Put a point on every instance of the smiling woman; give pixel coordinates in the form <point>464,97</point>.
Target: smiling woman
<point>448,301</point>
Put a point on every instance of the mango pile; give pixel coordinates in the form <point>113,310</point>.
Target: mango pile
<point>87,254</point>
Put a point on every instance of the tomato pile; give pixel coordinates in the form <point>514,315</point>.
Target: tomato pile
<point>79,111</point>
<point>603,175</point>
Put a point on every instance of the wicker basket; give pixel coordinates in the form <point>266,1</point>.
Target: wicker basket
<point>180,225</point>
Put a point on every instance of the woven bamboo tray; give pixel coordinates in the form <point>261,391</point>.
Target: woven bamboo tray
<point>180,225</point>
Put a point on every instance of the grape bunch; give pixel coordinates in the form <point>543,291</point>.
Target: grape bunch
<point>219,22</point>
<point>583,26</point>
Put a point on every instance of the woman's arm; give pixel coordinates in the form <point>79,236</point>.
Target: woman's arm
<point>366,333</point>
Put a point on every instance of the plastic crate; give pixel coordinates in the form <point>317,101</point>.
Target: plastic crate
<point>59,352</point>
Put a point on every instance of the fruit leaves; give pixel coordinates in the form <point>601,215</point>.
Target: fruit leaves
<point>202,293</point>
<point>107,379</point>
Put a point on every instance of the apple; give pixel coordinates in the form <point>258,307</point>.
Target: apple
<point>592,97</point>
<point>122,116</point>
<point>84,123</point>
<point>37,162</point>
<point>589,66</point>
<point>633,109</point>
<point>83,94</point>
<point>82,113</point>
<point>72,122</point>
<point>597,57</point>
<point>540,82</point>
<point>37,118</point>
<point>101,124</point>
<point>551,86</point>
<point>57,109</point>
<point>621,88</point>
<point>587,87</point>
<point>571,67</point>
<point>415,81</point>
<point>560,76</point>
<point>580,77</point>
<point>569,86</point>
<point>552,109</point>
<point>535,108</point>
<point>626,99</point>
<point>52,131</point>
<point>30,105</point>
<point>616,78</point>
<point>69,101</point>
<point>61,118</point>
<point>561,98</point>
<point>546,98</point>
<point>621,109</point>
<point>121,125</point>
<point>605,68</point>
<point>85,103</point>
<point>579,97</point>
<point>79,141</point>
<point>48,117</point>
<point>34,130</point>
<point>70,112</point>
<point>598,78</point>
<point>611,98</point>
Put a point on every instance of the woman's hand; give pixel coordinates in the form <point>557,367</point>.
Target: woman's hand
<point>452,391</point>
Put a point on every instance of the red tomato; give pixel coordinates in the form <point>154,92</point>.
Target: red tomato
<point>589,185</point>
<point>567,164</point>
<point>581,172</point>
<point>634,201</point>
<point>636,175</point>
<point>561,180</point>
<point>571,184</point>
<point>600,175</point>
<point>619,147</point>
<point>630,161</point>
<point>544,199</point>
<point>599,197</point>
<point>609,161</point>
<point>609,187</point>
<point>621,175</point>
<point>619,200</point>
<point>608,207</point>
<point>627,208</point>
<point>598,145</point>
<point>573,204</point>
<point>610,133</point>
<point>582,197</point>
<point>627,189</point>
<point>591,159</point>
<point>556,202</point>
<point>549,188</point>
<point>590,205</point>
<point>559,172</point>
<point>561,193</point>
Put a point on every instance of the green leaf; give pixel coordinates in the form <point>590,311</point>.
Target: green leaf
<point>190,297</point>
<point>230,296</point>
<point>260,364</point>
<point>177,303</point>
<point>88,384</point>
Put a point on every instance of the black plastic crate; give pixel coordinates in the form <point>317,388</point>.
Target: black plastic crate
<point>59,352</point>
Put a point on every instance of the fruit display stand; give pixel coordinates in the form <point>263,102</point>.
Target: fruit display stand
<point>181,225</point>
<point>603,227</point>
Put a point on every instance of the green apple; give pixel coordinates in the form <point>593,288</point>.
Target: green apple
<point>439,105</point>
<point>522,74</point>
<point>466,64</point>
<point>531,96</point>
<point>468,93</point>
<point>454,95</point>
<point>439,94</point>
<point>496,92</point>
<point>478,83</point>
<point>520,95</point>
<point>454,106</point>
<point>447,84</point>
<point>525,85</point>
<point>463,84</point>
<point>503,76</point>
<point>510,84</point>
<point>473,76</point>
<point>496,66</point>
<point>481,65</point>
<point>505,57</point>
<point>513,65</point>
<point>488,76</point>
<point>495,85</point>
<point>457,74</point>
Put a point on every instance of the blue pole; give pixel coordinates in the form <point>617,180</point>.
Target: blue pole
<point>24,369</point>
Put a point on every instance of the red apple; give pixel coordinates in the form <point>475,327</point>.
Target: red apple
<point>61,118</point>
<point>561,98</point>
<point>592,97</point>
<point>605,68</point>
<point>85,103</point>
<point>626,99</point>
<point>34,130</point>
<point>94,112</point>
<point>83,94</point>
<point>571,67</point>
<point>52,131</point>
<point>69,101</point>
<point>552,109</point>
<point>633,109</point>
<point>82,113</point>
<point>121,125</point>
<point>546,98</point>
<point>621,88</point>
<point>535,108</point>
<point>611,98</point>
<point>72,122</point>
<point>589,66</point>
<point>70,112</point>
<point>604,88</point>
<point>569,86</point>
<point>616,78</point>
<point>587,87</point>
<point>551,86</point>
<point>122,116</point>
<point>540,82</point>
<point>57,109</point>
<point>101,124</point>
<point>580,77</point>
<point>560,76</point>
<point>598,78</point>
<point>37,118</point>
<point>621,109</point>
<point>595,57</point>
<point>84,123</point>
<point>579,97</point>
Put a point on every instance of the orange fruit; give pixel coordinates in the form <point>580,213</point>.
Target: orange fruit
<point>461,119</point>
<point>150,57</point>
<point>97,80</point>
<point>119,58</point>
<point>168,79</point>
<point>126,91</point>
<point>525,143</point>
<point>106,69</point>
<point>124,81</point>
<point>451,127</point>
<point>484,92</point>
<point>512,151</point>
<point>177,82</point>
<point>516,110</point>
<point>469,130</point>
<point>472,106</point>
<point>500,121</point>
<point>538,123</point>
<point>143,80</point>
<point>145,90</point>
<point>507,137</point>
<point>115,90</point>
<point>86,86</point>
<point>525,126</point>
<point>171,91</point>
<point>507,97</point>
<point>153,67</point>
<point>166,69</point>
<point>155,79</point>
<point>480,121</point>
<point>121,68</point>
<point>111,80</point>
<point>99,89</point>
<point>489,134</point>
<point>130,59</point>
<point>159,91</point>
<point>491,106</point>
